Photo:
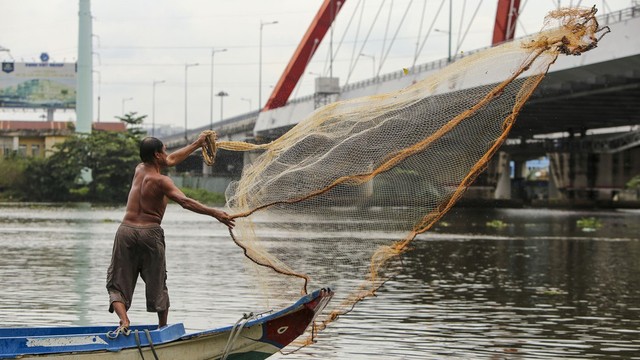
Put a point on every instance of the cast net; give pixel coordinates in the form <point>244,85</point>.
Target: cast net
<point>334,201</point>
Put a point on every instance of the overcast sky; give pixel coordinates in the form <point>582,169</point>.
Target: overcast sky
<point>138,42</point>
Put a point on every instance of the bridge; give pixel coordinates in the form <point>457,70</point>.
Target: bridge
<point>599,89</point>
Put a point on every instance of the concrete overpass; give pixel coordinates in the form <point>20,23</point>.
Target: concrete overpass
<point>599,89</point>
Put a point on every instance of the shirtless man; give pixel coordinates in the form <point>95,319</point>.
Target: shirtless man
<point>138,247</point>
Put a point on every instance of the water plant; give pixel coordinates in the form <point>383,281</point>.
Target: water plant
<point>496,224</point>
<point>589,223</point>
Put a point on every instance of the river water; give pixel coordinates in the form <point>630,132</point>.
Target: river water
<point>538,287</point>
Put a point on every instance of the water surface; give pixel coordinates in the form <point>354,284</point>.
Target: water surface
<point>536,288</point>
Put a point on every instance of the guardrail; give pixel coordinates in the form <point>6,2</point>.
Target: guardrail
<point>595,144</point>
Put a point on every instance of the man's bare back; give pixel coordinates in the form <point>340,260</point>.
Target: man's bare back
<point>150,189</point>
<point>146,202</point>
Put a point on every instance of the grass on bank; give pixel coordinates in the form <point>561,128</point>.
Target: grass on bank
<point>204,196</point>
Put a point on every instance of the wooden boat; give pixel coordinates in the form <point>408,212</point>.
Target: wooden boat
<point>252,337</point>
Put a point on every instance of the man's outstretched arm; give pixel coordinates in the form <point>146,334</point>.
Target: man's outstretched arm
<point>175,194</point>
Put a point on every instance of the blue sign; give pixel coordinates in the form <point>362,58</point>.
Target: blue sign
<point>7,67</point>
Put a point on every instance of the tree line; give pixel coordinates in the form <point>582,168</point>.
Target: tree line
<point>96,168</point>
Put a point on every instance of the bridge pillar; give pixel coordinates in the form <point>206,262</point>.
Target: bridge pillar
<point>558,175</point>
<point>519,169</point>
<point>503,187</point>
<point>206,169</point>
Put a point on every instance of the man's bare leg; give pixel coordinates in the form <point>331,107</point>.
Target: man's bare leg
<point>162,318</point>
<point>121,311</point>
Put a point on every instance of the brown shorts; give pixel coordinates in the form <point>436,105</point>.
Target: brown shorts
<point>138,250</point>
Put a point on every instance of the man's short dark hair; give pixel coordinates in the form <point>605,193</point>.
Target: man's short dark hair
<point>149,146</point>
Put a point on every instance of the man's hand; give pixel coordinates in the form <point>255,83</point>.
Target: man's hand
<point>201,139</point>
<point>203,136</point>
<point>224,218</point>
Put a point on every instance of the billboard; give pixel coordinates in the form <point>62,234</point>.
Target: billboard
<point>38,85</point>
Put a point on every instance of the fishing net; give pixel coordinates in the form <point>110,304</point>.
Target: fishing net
<point>388,166</point>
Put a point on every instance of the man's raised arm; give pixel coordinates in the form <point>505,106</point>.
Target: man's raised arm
<point>179,155</point>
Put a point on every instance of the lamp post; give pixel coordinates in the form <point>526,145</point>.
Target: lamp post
<point>449,37</point>
<point>124,100</point>
<point>221,94</point>
<point>373,58</point>
<point>450,15</point>
<point>213,52</point>
<point>99,85</point>
<point>262,24</point>
<point>448,32</point>
<point>247,100</point>
<point>153,107</point>
<point>186,67</point>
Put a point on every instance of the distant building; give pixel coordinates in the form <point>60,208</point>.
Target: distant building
<point>37,138</point>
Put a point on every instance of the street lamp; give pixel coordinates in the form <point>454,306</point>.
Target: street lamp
<point>262,24</point>
<point>449,35</point>
<point>213,51</point>
<point>153,107</point>
<point>373,58</point>
<point>450,31</point>
<point>222,94</point>
<point>99,85</point>
<point>247,100</point>
<point>124,100</point>
<point>186,67</point>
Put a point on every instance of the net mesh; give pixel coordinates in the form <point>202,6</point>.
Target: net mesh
<point>388,166</point>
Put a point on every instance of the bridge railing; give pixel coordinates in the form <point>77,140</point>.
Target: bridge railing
<point>222,128</point>
<point>612,144</point>
<point>598,144</point>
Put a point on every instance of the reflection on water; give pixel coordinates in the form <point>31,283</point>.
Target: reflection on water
<point>537,288</point>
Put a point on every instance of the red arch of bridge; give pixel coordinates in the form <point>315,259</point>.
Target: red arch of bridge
<point>503,30</point>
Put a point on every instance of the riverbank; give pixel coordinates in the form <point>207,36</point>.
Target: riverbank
<point>567,204</point>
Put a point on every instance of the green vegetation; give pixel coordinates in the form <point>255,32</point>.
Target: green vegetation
<point>11,169</point>
<point>589,224</point>
<point>204,196</point>
<point>93,168</point>
<point>496,224</point>
<point>634,183</point>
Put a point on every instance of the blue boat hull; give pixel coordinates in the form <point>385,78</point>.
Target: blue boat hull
<point>252,338</point>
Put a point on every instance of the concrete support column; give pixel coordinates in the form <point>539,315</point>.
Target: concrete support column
<point>520,170</point>
<point>557,175</point>
<point>552,187</point>
<point>503,187</point>
<point>206,169</point>
<point>84,89</point>
<point>16,143</point>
